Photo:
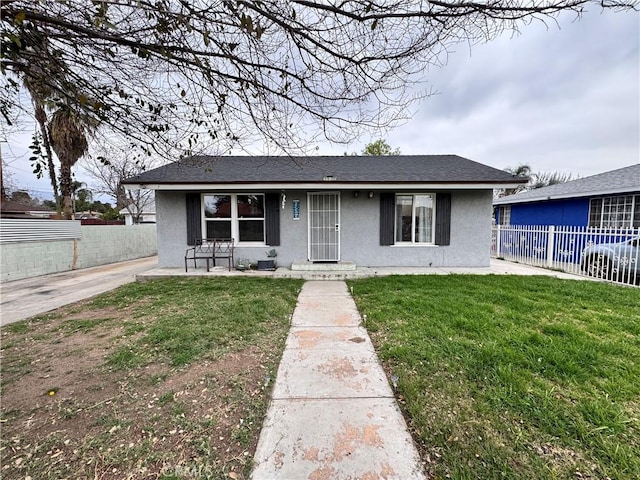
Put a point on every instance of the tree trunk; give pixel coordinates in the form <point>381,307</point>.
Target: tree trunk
<point>66,186</point>
<point>121,196</point>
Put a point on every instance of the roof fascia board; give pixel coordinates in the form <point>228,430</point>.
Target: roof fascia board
<point>317,186</point>
<point>594,193</point>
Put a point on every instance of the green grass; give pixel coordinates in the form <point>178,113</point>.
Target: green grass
<point>156,399</point>
<point>182,320</point>
<point>513,377</point>
<point>175,320</point>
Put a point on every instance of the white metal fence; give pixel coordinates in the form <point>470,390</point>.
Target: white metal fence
<point>608,254</point>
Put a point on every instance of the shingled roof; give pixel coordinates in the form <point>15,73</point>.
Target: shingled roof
<point>409,169</point>
<point>622,180</point>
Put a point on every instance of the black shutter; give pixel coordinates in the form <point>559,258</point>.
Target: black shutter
<point>194,220</point>
<point>387,218</point>
<point>272,219</point>
<point>443,218</point>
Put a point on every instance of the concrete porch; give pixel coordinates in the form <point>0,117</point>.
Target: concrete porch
<point>306,266</point>
<point>496,267</point>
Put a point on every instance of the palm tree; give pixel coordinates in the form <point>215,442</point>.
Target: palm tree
<point>545,179</point>
<point>68,131</point>
<point>39,94</point>
<point>38,83</point>
<point>521,171</point>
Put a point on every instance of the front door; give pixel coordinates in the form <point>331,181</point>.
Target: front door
<point>324,227</point>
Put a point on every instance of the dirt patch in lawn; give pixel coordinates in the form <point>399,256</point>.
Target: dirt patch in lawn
<point>67,414</point>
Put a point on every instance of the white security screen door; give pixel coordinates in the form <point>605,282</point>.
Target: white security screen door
<point>324,227</point>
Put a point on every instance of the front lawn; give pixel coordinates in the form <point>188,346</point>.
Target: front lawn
<point>168,379</point>
<point>512,377</point>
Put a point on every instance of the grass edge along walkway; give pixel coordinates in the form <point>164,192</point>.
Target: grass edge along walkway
<point>166,379</point>
<point>512,377</point>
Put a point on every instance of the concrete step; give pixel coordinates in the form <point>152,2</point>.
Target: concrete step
<point>306,266</point>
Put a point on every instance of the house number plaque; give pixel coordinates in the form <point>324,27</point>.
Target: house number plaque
<point>296,209</point>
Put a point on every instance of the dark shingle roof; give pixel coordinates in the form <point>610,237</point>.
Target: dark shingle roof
<point>344,169</point>
<point>622,180</point>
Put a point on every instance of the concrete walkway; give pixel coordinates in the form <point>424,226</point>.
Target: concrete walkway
<point>333,414</point>
<point>22,299</point>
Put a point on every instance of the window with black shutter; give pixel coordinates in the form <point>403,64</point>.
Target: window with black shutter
<point>194,218</point>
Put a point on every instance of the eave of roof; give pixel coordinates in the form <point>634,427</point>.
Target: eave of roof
<point>614,182</point>
<point>434,171</point>
<point>242,186</point>
<point>512,199</point>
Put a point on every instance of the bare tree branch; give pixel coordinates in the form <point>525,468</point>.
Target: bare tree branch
<point>178,76</point>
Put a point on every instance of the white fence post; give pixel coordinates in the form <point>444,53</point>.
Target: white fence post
<point>550,245</point>
<point>498,241</point>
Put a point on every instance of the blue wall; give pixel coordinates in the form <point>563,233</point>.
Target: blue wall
<point>573,212</point>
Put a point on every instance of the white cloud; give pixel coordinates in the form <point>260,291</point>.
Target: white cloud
<point>566,100</point>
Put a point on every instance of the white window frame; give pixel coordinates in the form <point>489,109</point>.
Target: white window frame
<point>604,215</point>
<point>504,215</point>
<point>413,219</point>
<point>235,220</point>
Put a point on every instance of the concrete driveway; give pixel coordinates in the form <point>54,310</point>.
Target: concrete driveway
<point>33,296</point>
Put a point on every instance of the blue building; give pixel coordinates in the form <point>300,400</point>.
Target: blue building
<point>607,200</point>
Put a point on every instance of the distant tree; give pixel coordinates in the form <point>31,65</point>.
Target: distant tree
<point>82,196</point>
<point>23,197</point>
<point>521,171</point>
<point>100,207</point>
<point>111,214</point>
<point>110,167</point>
<point>379,147</point>
<point>50,204</point>
<point>7,180</point>
<point>536,180</point>
<point>545,179</point>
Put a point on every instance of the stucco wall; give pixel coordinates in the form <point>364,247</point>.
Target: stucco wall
<point>171,224</point>
<point>360,237</point>
<point>470,235</point>
<point>98,245</point>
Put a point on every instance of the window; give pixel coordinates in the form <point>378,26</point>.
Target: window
<point>505,215</point>
<point>622,211</point>
<point>235,216</point>
<point>415,218</point>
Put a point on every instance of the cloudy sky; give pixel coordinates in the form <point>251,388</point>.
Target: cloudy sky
<point>559,98</point>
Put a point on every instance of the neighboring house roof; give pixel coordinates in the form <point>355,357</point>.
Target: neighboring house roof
<point>10,208</point>
<point>15,207</point>
<point>622,180</point>
<point>323,172</point>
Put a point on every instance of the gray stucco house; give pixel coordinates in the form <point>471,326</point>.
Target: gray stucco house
<point>424,210</point>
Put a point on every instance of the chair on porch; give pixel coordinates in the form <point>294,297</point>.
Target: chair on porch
<point>223,248</point>
<point>202,250</point>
